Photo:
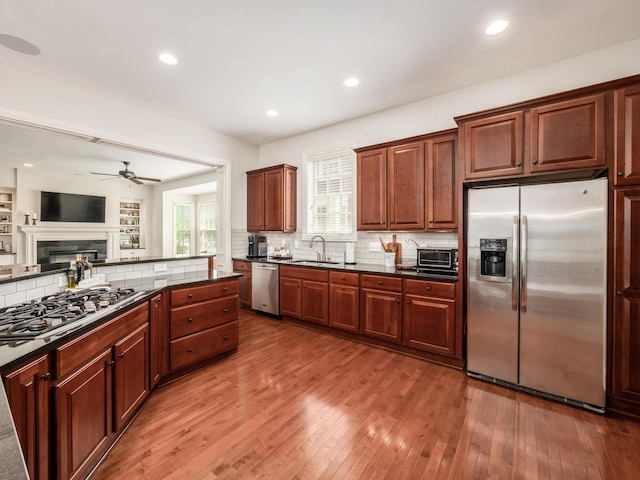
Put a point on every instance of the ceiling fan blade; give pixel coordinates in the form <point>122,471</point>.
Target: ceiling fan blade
<point>107,174</point>
<point>113,177</point>
<point>149,179</point>
<point>135,180</point>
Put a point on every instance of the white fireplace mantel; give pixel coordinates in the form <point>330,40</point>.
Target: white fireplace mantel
<point>68,231</point>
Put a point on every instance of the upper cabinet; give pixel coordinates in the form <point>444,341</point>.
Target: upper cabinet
<point>408,186</point>
<point>553,137</point>
<point>627,135</point>
<point>271,199</point>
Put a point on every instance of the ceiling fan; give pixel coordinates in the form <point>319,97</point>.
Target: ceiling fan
<point>128,175</point>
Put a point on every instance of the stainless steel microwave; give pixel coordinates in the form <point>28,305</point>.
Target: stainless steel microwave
<point>438,260</point>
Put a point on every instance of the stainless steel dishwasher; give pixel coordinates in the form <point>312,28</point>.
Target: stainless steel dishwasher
<point>265,287</point>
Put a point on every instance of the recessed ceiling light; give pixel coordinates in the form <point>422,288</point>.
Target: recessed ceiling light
<point>168,59</point>
<point>497,27</point>
<point>28,164</point>
<point>351,82</point>
<point>271,113</point>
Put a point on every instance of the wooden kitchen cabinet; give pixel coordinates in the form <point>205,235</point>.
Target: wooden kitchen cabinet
<point>202,323</point>
<point>625,336</point>
<point>405,202</point>
<point>429,316</point>
<point>131,382</point>
<point>554,137</point>
<point>84,416</point>
<point>442,200</point>
<point>381,307</point>
<point>155,340</point>
<point>272,199</point>
<point>344,301</point>
<point>304,294</point>
<point>627,136</point>
<point>372,189</point>
<point>244,292</point>
<point>27,390</point>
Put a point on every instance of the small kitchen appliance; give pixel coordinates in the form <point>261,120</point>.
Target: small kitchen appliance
<point>438,261</point>
<point>257,246</point>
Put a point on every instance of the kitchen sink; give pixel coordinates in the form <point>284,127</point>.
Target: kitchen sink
<point>314,262</point>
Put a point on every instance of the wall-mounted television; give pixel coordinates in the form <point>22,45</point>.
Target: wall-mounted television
<point>70,207</point>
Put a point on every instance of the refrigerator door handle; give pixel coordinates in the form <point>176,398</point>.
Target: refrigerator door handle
<point>514,265</point>
<point>523,266</point>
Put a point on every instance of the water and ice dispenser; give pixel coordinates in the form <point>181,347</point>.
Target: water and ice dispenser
<point>493,257</point>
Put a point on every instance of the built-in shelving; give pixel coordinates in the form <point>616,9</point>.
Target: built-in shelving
<point>7,226</point>
<point>131,226</point>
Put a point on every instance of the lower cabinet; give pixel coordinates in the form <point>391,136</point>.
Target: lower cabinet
<point>155,340</point>
<point>244,290</point>
<point>344,301</point>
<point>381,307</point>
<point>28,394</point>
<point>429,316</point>
<point>304,294</point>
<point>202,323</point>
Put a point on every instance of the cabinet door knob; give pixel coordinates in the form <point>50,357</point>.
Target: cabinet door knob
<point>225,289</point>
<point>397,300</point>
<point>226,337</point>
<point>430,221</point>
<point>343,289</point>
<point>111,363</point>
<point>121,355</point>
<point>428,287</point>
<point>343,278</point>
<point>621,174</point>
<point>45,377</point>
<point>189,349</point>
<point>408,302</point>
<point>518,164</point>
<point>379,282</point>
<point>190,319</point>
<point>190,295</point>
<point>619,292</point>
<point>226,310</point>
<point>535,162</point>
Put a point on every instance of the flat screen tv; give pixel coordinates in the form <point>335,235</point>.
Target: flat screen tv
<point>70,207</point>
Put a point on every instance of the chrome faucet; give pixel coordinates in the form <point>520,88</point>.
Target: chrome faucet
<point>323,257</point>
<point>412,240</point>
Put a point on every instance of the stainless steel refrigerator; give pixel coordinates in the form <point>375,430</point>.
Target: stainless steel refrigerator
<point>536,296</point>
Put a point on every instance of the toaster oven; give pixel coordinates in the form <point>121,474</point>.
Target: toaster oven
<point>438,261</point>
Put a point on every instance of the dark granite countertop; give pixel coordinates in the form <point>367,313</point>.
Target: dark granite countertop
<point>357,268</point>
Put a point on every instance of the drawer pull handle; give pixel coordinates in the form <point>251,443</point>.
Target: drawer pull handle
<point>46,376</point>
<point>343,278</point>
<point>225,289</point>
<point>428,287</point>
<point>189,349</point>
<point>379,282</point>
<point>226,337</point>
<point>190,295</point>
<point>226,310</point>
<point>121,355</point>
<point>343,289</point>
<point>190,319</point>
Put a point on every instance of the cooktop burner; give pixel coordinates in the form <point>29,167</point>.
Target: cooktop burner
<point>31,319</point>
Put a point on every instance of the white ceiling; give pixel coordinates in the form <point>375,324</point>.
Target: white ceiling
<point>239,59</point>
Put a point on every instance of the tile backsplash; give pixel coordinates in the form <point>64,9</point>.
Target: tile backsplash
<point>335,250</point>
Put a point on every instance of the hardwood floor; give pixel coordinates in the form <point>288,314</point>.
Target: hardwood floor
<point>298,404</point>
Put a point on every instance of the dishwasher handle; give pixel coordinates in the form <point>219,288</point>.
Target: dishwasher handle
<point>266,267</point>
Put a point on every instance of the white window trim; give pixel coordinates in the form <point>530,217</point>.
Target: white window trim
<point>329,237</point>
<point>192,231</point>
<point>199,219</point>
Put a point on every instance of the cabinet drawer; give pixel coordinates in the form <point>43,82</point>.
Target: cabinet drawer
<point>317,274</point>
<point>381,283</point>
<point>430,288</point>
<point>199,346</point>
<point>342,278</point>
<point>185,296</point>
<point>198,317</point>
<point>241,267</point>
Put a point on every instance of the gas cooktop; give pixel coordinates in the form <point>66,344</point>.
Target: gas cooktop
<point>60,312</point>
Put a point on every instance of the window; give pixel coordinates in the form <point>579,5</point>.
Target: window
<point>330,185</point>
<point>182,223</point>
<point>207,226</point>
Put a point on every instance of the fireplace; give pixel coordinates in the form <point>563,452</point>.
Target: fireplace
<point>63,251</point>
<point>45,243</point>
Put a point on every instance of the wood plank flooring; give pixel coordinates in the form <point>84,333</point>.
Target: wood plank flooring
<point>294,403</point>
